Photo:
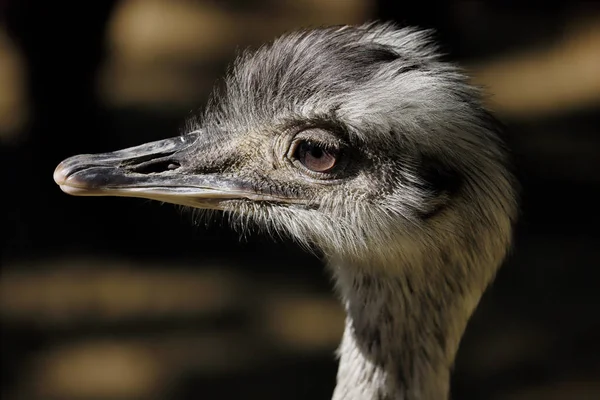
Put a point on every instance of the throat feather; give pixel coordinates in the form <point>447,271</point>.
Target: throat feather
<point>396,339</point>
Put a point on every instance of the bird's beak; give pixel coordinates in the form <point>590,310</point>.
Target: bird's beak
<point>155,170</point>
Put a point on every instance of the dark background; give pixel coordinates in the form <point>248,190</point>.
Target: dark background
<point>107,298</point>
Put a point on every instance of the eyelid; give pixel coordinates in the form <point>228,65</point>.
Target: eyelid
<point>329,147</point>
<point>319,136</point>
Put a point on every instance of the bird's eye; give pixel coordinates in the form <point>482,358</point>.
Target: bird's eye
<point>316,157</point>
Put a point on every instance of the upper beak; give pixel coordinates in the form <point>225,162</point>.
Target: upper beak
<point>156,170</point>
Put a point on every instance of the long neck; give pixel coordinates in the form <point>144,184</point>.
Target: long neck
<point>401,334</point>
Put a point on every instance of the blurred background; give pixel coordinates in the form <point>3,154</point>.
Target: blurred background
<point>108,298</point>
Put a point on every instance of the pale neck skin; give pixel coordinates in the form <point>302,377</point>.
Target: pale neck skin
<point>401,334</point>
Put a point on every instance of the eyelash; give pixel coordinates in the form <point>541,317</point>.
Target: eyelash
<point>312,142</point>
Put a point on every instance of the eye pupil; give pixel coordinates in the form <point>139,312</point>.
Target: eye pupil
<point>316,152</point>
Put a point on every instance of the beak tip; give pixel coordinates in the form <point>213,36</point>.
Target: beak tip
<point>60,174</point>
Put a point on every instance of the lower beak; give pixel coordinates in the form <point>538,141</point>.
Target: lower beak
<point>155,170</point>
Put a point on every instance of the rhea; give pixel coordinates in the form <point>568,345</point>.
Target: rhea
<point>363,143</point>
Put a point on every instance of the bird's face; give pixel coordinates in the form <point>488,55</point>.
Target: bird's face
<point>308,179</point>
<point>337,138</point>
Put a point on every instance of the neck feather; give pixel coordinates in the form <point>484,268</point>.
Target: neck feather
<point>401,333</point>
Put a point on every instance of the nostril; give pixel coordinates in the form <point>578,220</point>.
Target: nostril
<point>153,167</point>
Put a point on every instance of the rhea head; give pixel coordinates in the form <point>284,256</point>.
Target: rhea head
<point>360,142</point>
